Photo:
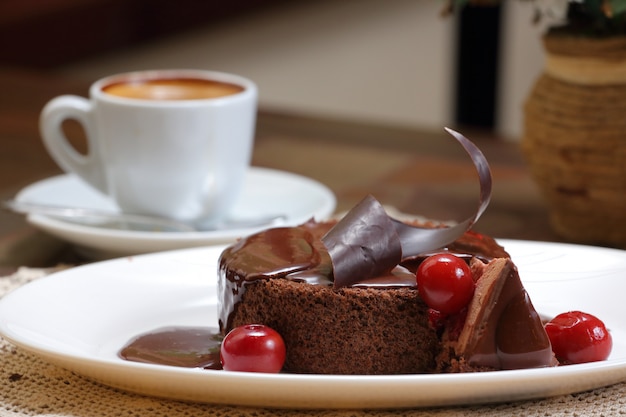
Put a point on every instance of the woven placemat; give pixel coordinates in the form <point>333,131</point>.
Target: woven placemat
<point>30,386</point>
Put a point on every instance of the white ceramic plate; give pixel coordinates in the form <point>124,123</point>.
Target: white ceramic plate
<point>266,192</point>
<point>80,318</point>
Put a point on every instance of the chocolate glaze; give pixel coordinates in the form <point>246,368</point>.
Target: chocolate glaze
<point>285,252</point>
<point>297,254</point>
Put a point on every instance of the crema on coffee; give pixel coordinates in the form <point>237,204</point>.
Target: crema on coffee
<point>172,89</point>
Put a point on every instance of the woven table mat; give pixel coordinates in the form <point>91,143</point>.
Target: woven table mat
<point>30,386</point>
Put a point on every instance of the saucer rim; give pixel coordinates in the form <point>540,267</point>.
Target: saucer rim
<point>122,242</point>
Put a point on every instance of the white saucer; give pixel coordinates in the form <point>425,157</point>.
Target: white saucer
<point>80,319</point>
<point>266,192</point>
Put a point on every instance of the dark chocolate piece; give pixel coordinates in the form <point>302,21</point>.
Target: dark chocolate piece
<point>367,242</point>
<point>364,244</point>
<point>503,330</point>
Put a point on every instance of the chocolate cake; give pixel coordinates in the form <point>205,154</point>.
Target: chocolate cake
<point>283,278</point>
<point>344,297</point>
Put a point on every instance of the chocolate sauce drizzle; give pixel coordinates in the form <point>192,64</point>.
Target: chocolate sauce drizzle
<point>186,347</point>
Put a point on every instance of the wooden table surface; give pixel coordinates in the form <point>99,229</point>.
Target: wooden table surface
<point>417,172</point>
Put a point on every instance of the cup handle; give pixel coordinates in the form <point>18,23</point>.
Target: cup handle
<point>89,167</point>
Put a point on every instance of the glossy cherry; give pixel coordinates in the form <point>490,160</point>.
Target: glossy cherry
<point>253,348</point>
<point>445,283</point>
<point>578,337</point>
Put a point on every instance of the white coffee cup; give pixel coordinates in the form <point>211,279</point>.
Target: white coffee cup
<point>181,157</point>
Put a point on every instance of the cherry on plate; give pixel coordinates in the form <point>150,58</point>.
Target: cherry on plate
<point>253,348</point>
<point>579,337</point>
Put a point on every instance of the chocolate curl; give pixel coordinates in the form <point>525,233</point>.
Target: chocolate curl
<point>416,240</point>
<point>367,242</point>
<point>363,244</point>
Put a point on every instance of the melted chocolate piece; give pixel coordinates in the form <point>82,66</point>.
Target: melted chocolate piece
<point>502,329</point>
<point>188,347</point>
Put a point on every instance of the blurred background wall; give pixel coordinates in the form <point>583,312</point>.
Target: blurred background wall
<point>390,63</point>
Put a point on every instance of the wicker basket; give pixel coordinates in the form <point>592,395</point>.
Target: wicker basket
<point>575,138</point>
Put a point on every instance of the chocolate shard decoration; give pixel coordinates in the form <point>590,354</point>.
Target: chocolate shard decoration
<point>367,242</point>
<point>417,240</point>
<point>363,244</point>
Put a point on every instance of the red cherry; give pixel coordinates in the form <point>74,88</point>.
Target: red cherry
<point>445,283</point>
<point>578,337</point>
<point>253,348</point>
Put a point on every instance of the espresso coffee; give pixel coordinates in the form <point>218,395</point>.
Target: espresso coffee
<point>172,89</point>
